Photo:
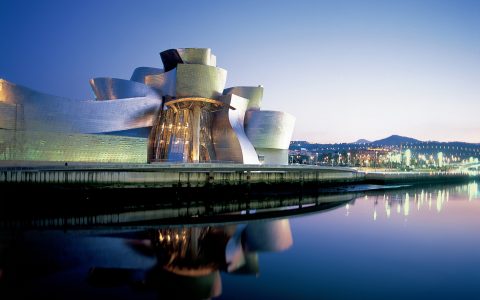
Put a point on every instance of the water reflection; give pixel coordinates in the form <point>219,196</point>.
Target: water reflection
<point>189,259</point>
<point>362,242</point>
<point>402,202</point>
<point>173,261</point>
<point>176,212</point>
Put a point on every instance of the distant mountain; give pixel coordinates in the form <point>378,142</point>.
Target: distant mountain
<point>395,140</point>
<point>362,141</point>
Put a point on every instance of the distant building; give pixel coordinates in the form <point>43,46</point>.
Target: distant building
<point>181,113</point>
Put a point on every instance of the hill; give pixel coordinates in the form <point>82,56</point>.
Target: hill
<point>395,140</point>
<point>362,141</point>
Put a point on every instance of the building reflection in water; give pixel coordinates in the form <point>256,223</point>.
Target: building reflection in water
<point>130,251</point>
<point>198,254</point>
<point>191,259</point>
<point>183,262</point>
<point>421,199</point>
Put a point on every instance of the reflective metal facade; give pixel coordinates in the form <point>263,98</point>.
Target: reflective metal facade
<point>252,93</point>
<point>71,147</point>
<point>171,58</point>
<point>270,132</point>
<point>106,88</point>
<point>200,56</point>
<point>8,116</point>
<point>200,81</point>
<point>269,129</point>
<point>140,73</point>
<point>189,81</point>
<point>165,83</point>
<point>230,141</point>
<point>37,111</point>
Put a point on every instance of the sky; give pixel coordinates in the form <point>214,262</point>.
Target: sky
<point>345,69</point>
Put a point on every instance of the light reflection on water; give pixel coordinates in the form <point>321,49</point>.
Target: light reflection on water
<point>418,242</point>
<point>417,199</point>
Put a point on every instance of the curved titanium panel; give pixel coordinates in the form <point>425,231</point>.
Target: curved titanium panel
<point>42,112</point>
<point>164,82</point>
<point>200,81</point>
<point>170,58</point>
<point>140,73</point>
<point>17,94</point>
<point>229,139</point>
<point>200,56</point>
<point>252,93</point>
<point>269,129</point>
<point>106,88</point>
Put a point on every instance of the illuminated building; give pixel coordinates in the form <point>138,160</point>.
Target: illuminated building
<point>408,157</point>
<point>181,113</point>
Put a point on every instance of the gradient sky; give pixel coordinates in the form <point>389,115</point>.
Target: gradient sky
<point>346,69</point>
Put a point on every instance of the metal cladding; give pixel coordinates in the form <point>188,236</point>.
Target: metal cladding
<point>189,81</point>
<point>165,83</point>
<point>252,93</point>
<point>37,111</point>
<point>70,147</point>
<point>42,127</point>
<point>179,113</point>
<point>269,129</point>
<point>270,132</point>
<point>230,142</point>
<point>200,81</point>
<point>170,58</point>
<point>106,88</point>
<point>213,60</point>
<point>200,56</point>
<point>140,73</point>
<point>8,116</point>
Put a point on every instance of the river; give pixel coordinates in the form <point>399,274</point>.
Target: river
<point>372,243</point>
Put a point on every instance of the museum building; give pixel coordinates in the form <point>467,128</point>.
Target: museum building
<point>181,113</point>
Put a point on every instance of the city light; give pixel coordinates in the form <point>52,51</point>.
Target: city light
<point>424,156</point>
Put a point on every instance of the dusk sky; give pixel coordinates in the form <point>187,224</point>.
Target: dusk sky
<point>346,69</point>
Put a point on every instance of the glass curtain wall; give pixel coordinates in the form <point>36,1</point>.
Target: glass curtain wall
<point>183,133</point>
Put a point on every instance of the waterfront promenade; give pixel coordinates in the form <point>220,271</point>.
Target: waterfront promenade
<point>173,175</point>
<point>203,175</point>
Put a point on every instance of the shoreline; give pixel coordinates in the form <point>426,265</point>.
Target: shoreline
<point>167,176</point>
<point>218,189</point>
<point>146,208</point>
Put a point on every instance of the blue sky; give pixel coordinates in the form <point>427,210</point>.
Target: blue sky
<point>345,69</point>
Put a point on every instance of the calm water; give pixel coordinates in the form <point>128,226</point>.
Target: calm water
<point>405,243</point>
